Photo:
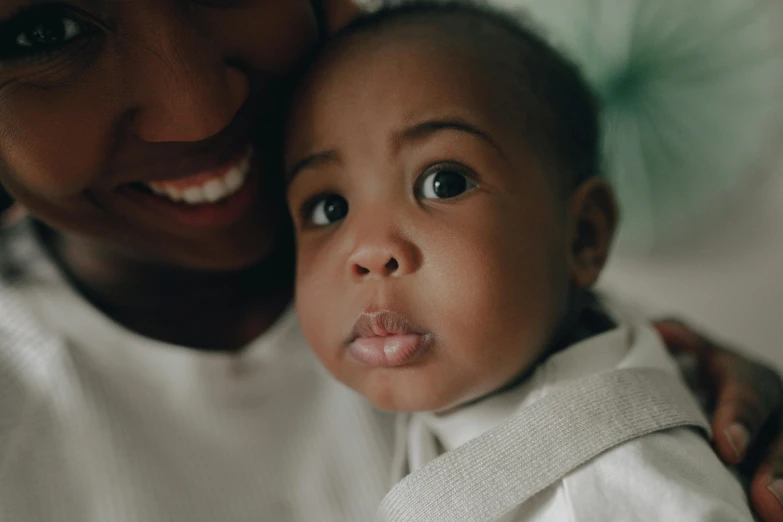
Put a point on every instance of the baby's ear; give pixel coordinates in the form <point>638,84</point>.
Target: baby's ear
<point>593,216</point>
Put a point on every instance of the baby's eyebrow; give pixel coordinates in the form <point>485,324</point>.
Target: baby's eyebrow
<point>427,128</point>
<point>415,132</point>
<point>310,161</point>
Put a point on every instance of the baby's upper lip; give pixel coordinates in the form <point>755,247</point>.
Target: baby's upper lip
<point>382,323</point>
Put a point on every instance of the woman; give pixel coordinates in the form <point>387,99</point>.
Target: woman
<point>150,368</point>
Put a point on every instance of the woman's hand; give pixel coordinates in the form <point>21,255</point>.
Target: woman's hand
<point>746,423</point>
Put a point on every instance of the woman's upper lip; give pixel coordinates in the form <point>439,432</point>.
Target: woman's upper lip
<point>382,323</point>
<point>139,161</point>
<point>188,166</point>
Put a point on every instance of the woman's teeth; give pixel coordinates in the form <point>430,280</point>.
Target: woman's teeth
<point>204,189</point>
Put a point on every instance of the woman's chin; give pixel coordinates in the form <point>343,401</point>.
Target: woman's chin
<point>224,258</point>
<point>248,243</point>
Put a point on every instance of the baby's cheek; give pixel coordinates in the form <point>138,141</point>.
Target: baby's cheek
<point>502,315</point>
<point>314,312</point>
<point>321,304</point>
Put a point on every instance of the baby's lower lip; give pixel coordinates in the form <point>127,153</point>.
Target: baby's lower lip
<point>389,351</point>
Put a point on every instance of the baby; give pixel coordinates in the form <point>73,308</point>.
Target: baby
<point>442,165</point>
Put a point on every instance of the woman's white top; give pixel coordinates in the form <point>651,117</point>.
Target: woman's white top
<point>98,424</point>
<point>669,475</point>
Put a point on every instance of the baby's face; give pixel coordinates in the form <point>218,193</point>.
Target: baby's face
<point>432,248</point>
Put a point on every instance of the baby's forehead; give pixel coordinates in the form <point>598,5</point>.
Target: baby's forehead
<point>473,53</point>
<point>468,40</point>
<point>422,66</point>
<point>399,64</point>
<point>415,67</point>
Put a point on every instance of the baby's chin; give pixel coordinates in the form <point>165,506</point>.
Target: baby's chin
<point>398,403</point>
<point>408,390</point>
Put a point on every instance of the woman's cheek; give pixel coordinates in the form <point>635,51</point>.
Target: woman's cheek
<point>54,141</point>
<point>272,38</point>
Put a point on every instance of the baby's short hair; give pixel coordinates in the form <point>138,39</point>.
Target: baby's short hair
<point>561,112</point>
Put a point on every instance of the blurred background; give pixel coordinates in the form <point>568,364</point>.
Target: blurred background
<point>692,101</point>
<point>727,279</point>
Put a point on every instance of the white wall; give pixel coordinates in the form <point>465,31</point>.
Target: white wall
<point>729,281</point>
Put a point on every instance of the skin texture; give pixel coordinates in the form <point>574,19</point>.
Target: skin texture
<point>487,274</point>
<point>124,105</point>
<point>74,111</point>
<point>158,89</point>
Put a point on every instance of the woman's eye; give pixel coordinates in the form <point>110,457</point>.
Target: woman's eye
<point>48,33</point>
<point>41,29</point>
<point>328,209</point>
<point>444,182</point>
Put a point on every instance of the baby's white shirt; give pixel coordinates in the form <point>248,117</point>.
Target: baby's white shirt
<point>670,475</point>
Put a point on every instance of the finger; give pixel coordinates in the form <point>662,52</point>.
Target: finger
<point>766,490</point>
<point>678,338</point>
<point>749,397</point>
<point>736,422</point>
<point>765,503</point>
<point>747,393</point>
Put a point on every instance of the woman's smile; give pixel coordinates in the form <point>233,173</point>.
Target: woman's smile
<point>208,198</point>
<point>147,137</point>
<point>209,186</point>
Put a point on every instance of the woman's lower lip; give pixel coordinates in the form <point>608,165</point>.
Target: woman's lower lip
<point>207,215</point>
<point>389,351</point>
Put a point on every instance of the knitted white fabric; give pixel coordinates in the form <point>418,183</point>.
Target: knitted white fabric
<point>489,476</point>
<point>98,424</point>
<point>527,467</point>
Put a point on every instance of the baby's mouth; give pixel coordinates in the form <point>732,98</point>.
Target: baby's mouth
<point>386,339</point>
<point>205,187</point>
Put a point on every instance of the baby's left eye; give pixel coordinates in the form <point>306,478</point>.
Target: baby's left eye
<point>444,182</point>
<point>327,209</point>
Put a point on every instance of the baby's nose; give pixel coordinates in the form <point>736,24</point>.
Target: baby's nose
<point>395,257</point>
<point>374,262</point>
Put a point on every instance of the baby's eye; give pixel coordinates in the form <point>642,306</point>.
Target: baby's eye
<point>327,210</point>
<point>444,182</point>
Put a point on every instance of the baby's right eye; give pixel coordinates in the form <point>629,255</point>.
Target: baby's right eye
<point>327,209</point>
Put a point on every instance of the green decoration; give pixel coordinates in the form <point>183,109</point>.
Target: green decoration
<point>692,100</point>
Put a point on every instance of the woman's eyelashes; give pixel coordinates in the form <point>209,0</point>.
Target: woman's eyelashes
<point>41,31</point>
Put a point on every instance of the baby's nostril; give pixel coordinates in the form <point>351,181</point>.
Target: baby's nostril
<point>392,265</point>
<point>361,270</point>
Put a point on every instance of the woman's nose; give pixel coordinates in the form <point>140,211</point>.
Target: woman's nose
<point>184,89</point>
<point>395,257</point>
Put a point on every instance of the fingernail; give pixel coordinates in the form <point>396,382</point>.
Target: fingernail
<point>738,438</point>
<point>776,488</point>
